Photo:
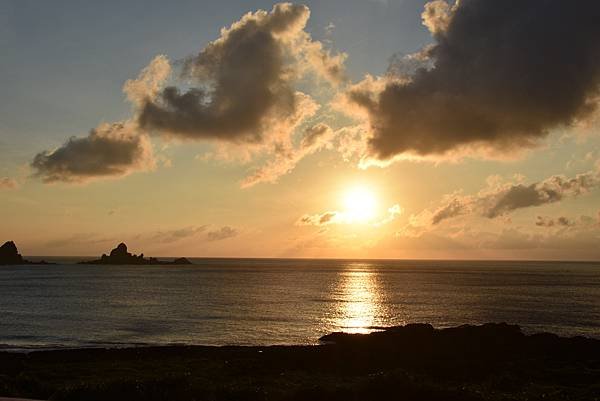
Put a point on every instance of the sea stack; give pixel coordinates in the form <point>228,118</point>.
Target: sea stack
<point>9,254</point>
<point>119,255</point>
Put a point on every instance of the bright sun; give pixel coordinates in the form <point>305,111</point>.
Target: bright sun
<point>360,205</point>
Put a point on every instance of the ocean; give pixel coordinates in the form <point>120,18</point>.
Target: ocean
<point>285,301</point>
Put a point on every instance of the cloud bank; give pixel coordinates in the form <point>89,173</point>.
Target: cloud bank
<point>501,199</point>
<point>499,76</point>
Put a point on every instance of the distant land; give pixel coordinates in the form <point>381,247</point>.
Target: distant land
<point>9,255</point>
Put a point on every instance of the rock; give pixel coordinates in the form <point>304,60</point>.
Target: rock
<point>182,261</point>
<point>9,254</point>
<point>120,256</point>
<point>120,251</point>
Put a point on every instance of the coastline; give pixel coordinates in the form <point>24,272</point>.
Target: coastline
<point>487,362</point>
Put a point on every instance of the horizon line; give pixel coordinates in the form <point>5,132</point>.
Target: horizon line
<point>342,258</point>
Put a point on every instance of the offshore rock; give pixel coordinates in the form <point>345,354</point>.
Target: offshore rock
<point>120,256</point>
<point>9,254</point>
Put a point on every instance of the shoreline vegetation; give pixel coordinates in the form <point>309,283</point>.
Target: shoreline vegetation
<point>9,255</point>
<point>413,362</point>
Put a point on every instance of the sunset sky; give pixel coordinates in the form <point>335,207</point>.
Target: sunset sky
<point>337,128</point>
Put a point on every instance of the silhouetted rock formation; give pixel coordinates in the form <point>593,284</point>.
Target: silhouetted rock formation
<point>9,255</point>
<point>120,256</point>
<point>182,261</point>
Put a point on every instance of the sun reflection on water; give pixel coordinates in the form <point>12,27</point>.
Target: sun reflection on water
<point>360,302</point>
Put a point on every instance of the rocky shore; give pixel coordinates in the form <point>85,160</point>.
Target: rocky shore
<point>414,362</point>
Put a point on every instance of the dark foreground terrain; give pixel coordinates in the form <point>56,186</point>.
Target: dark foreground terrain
<point>415,362</point>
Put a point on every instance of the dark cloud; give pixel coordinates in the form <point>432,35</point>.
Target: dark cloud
<point>550,190</point>
<point>244,81</point>
<point>8,183</point>
<point>321,219</point>
<point>221,233</point>
<point>504,73</point>
<point>454,207</point>
<point>111,150</point>
<point>543,221</point>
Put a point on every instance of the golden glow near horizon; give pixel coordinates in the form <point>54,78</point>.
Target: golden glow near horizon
<point>360,205</point>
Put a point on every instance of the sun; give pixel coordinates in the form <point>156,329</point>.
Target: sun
<point>360,205</point>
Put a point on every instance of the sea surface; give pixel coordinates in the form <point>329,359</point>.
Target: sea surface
<point>285,301</point>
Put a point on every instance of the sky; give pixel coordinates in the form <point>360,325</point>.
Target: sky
<point>338,129</point>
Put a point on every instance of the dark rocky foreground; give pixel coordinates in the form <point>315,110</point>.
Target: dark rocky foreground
<point>120,256</point>
<point>415,362</point>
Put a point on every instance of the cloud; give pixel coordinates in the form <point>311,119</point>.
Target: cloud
<point>171,236</point>
<point>577,241</point>
<point>329,28</point>
<point>149,82</point>
<point>110,150</point>
<point>451,208</point>
<point>500,75</point>
<point>78,239</point>
<point>437,16</point>
<point>222,233</point>
<point>554,189</point>
<point>392,213</point>
<point>8,183</point>
<point>542,221</point>
<point>335,217</point>
<point>563,222</point>
<point>500,199</point>
<point>239,90</point>
<point>315,138</point>
<point>321,219</point>
<point>243,82</point>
